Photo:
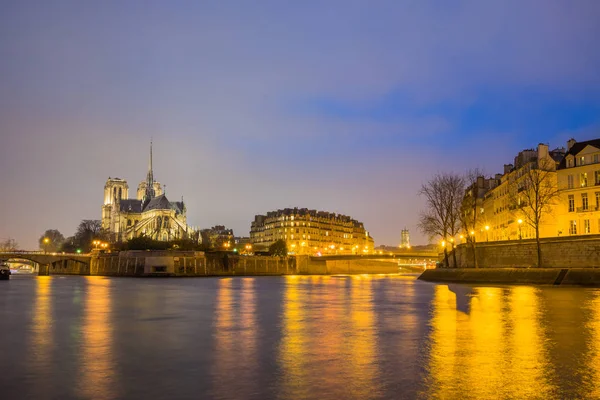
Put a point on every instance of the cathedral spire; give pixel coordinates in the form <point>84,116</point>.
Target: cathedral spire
<point>150,194</point>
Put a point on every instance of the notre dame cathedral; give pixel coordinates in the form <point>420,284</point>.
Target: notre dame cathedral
<point>150,214</point>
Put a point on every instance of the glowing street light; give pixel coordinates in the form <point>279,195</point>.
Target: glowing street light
<point>96,243</point>
<point>520,221</point>
<point>46,241</point>
<point>487,235</point>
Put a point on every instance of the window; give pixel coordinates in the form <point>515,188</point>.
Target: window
<point>597,201</point>
<point>571,203</point>
<point>596,158</point>
<point>569,162</point>
<point>586,226</point>
<point>583,179</point>
<point>597,177</point>
<point>573,227</point>
<point>570,182</point>
<point>584,202</point>
<point>582,160</point>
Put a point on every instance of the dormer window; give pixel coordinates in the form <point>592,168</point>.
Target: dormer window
<point>582,160</point>
<point>569,162</point>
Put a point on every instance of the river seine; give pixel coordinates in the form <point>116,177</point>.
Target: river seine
<point>296,337</point>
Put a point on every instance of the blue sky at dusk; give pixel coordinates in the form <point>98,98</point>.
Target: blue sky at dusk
<point>345,106</point>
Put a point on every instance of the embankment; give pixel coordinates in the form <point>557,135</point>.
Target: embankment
<point>536,276</point>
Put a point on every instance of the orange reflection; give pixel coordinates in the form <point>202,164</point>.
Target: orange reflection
<point>593,358</point>
<point>443,368</point>
<point>337,338</point>
<point>235,336</point>
<point>485,343</point>
<point>363,343</point>
<point>528,362</point>
<point>97,364</point>
<point>42,341</point>
<point>494,347</point>
<point>295,340</point>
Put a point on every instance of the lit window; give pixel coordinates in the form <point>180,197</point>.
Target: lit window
<point>584,202</point>
<point>573,227</point>
<point>571,203</point>
<point>586,226</point>
<point>597,178</point>
<point>582,160</point>
<point>583,179</point>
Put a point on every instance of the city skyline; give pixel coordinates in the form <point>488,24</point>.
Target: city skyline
<point>339,107</point>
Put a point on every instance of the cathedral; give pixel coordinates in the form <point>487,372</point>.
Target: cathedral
<point>150,215</point>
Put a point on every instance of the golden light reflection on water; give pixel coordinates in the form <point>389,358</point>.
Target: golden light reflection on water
<point>528,361</point>
<point>235,367</point>
<point>97,363</point>
<point>492,347</point>
<point>593,361</point>
<point>329,337</point>
<point>41,331</point>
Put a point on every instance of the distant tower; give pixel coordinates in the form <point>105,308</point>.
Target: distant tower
<point>405,239</point>
<point>150,193</point>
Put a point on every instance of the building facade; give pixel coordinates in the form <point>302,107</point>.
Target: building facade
<point>499,208</point>
<point>311,232</point>
<point>579,183</point>
<point>150,215</point>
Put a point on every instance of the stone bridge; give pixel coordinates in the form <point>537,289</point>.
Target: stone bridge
<point>46,261</point>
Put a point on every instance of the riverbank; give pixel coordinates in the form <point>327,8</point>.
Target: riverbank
<point>537,276</point>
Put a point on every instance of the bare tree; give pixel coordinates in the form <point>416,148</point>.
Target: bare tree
<point>9,244</point>
<point>470,207</point>
<point>533,195</point>
<point>443,199</point>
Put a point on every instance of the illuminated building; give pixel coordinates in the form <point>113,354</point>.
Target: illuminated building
<point>500,202</point>
<point>311,232</point>
<point>150,215</point>
<point>579,184</point>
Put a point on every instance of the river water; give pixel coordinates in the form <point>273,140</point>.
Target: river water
<point>297,337</point>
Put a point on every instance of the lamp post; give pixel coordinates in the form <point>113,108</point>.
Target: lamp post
<point>96,243</point>
<point>487,235</point>
<point>520,221</point>
<point>46,241</point>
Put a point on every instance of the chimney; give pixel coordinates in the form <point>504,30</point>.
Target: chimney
<point>570,143</point>
<point>542,151</point>
<point>507,168</point>
<point>480,181</point>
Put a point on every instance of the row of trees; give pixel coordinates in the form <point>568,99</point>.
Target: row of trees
<point>87,231</point>
<point>448,211</point>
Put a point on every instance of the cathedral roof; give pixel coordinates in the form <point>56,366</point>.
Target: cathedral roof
<point>131,205</point>
<point>158,203</point>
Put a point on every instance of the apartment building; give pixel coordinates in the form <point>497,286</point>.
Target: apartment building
<point>311,232</point>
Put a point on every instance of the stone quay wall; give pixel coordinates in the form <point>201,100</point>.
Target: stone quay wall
<point>560,252</point>
<point>190,263</point>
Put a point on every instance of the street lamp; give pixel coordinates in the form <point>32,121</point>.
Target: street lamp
<point>487,235</point>
<point>520,221</point>
<point>46,241</point>
<point>96,243</point>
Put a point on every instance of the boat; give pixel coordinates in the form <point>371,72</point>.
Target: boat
<point>4,271</point>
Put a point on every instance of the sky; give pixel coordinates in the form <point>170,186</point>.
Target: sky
<point>337,105</point>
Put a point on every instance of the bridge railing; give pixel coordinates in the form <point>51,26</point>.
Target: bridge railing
<point>47,253</point>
